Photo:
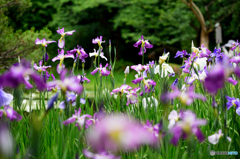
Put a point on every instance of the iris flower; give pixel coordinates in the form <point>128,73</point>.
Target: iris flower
<point>40,68</point>
<point>173,117</point>
<point>101,155</point>
<point>82,78</point>
<point>166,70</point>
<point>96,54</point>
<point>80,53</point>
<point>43,42</point>
<point>10,113</point>
<point>116,133</point>
<point>186,97</point>
<point>102,70</point>
<point>78,119</point>
<point>153,129</point>
<point>181,54</point>
<point>214,139</point>
<point>61,57</point>
<point>20,74</point>
<point>233,102</point>
<point>187,126</point>
<point>61,42</point>
<point>123,89</point>
<point>144,44</point>
<point>66,83</point>
<point>98,41</point>
<point>132,96</point>
<point>5,98</point>
<point>163,58</point>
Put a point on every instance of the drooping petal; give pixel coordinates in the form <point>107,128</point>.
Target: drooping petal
<point>69,120</point>
<point>5,98</point>
<point>61,43</point>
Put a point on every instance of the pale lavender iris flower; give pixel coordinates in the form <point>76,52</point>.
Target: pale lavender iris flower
<point>116,133</point>
<point>43,42</point>
<point>189,124</point>
<point>5,98</point>
<point>61,42</point>
<point>100,155</point>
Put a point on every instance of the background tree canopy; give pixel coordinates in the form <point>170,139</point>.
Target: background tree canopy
<point>168,24</point>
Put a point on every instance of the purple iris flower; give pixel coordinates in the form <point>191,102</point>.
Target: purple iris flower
<point>43,42</point>
<point>153,129</point>
<point>235,59</point>
<point>237,71</point>
<point>232,81</point>
<point>215,79</point>
<point>204,52</point>
<point>5,98</point>
<point>147,84</point>
<point>102,70</point>
<point>101,155</point>
<point>144,44</point>
<point>80,53</point>
<point>83,78</point>
<point>40,68</point>
<point>181,54</point>
<point>132,96</point>
<point>78,119</point>
<point>66,83</point>
<point>98,41</point>
<point>61,57</point>
<point>45,58</point>
<point>20,74</point>
<point>175,83</point>
<point>10,113</point>
<point>215,52</point>
<point>51,102</point>
<point>117,132</point>
<point>186,97</point>
<point>123,89</point>
<point>71,97</point>
<point>233,102</point>
<point>187,126</point>
<point>61,42</point>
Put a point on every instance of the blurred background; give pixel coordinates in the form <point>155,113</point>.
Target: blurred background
<point>169,25</point>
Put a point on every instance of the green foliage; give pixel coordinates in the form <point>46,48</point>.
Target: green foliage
<point>18,43</point>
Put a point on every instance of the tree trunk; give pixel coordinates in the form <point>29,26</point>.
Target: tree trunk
<point>204,38</point>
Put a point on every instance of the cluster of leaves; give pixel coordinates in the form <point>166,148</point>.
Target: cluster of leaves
<point>17,43</point>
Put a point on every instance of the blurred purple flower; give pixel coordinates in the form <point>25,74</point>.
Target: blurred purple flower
<point>82,79</point>
<point>118,133</point>
<point>153,129</point>
<point>5,98</point>
<point>215,79</point>
<point>187,126</point>
<point>10,113</point>
<point>181,54</point>
<point>67,83</point>
<point>186,97</point>
<point>51,102</point>
<point>144,44</point>
<point>102,70</point>
<point>20,74</point>
<point>101,155</point>
<point>123,89</point>
<point>78,119</point>
<point>40,68</point>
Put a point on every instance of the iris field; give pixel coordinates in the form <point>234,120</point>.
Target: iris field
<point>161,114</point>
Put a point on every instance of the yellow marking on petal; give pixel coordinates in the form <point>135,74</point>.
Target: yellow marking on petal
<point>79,52</point>
<point>40,70</point>
<point>233,103</point>
<point>99,44</point>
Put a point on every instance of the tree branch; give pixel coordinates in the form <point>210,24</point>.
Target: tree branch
<point>8,4</point>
